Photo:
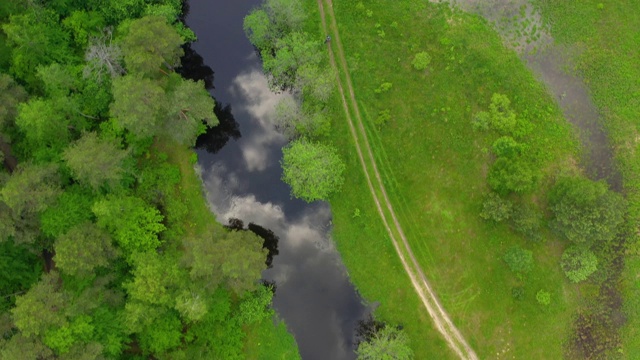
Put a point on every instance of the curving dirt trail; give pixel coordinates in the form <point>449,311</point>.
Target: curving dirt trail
<point>441,319</point>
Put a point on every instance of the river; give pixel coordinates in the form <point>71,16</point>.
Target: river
<point>241,173</point>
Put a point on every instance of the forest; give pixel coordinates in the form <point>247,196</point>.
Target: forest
<point>108,248</point>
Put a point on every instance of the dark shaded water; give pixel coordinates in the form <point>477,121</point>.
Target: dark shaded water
<point>574,100</point>
<point>241,171</point>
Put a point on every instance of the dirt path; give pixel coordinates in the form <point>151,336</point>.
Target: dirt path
<point>440,317</point>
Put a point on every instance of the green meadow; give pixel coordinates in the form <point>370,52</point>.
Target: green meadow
<point>434,166</point>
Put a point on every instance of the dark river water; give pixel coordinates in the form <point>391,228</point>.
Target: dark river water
<point>241,172</point>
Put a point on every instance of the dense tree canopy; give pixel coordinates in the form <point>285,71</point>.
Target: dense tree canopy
<point>101,258</point>
<point>313,170</point>
<point>585,211</point>
<point>94,161</point>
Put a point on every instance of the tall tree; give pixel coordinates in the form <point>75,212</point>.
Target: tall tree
<point>150,45</point>
<point>188,105</point>
<point>31,189</point>
<point>95,162</point>
<point>585,211</point>
<point>41,308</point>
<point>386,343</point>
<point>134,224</point>
<point>313,170</point>
<point>137,104</point>
<point>37,38</point>
<point>11,94</point>
<point>82,249</point>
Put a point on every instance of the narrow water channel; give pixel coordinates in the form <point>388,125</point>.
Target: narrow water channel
<point>241,172</point>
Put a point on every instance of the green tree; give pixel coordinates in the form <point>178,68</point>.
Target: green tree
<point>519,260</point>
<point>242,260</point>
<point>137,104</point>
<point>578,263</point>
<point>20,347</point>
<point>11,94</point>
<point>512,175</point>
<point>315,82</point>
<point>313,170</point>
<point>84,25</point>
<point>526,221</point>
<point>292,52</point>
<point>94,161</point>
<point>31,188</point>
<point>151,45</point>
<point>37,38</point>
<point>72,207</point>
<point>259,29</point>
<point>503,118</point>
<point>164,334</point>
<point>187,106</point>
<point>495,208</point>
<point>585,211</point>
<point>41,308</point>
<point>46,124</point>
<point>506,146</point>
<point>82,249</point>
<point>134,224</point>
<point>155,279</point>
<point>387,343</point>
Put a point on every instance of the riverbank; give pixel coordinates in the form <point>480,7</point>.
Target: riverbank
<point>434,167</point>
<point>267,339</point>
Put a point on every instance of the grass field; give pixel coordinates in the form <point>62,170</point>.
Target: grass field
<point>434,167</point>
<point>606,35</point>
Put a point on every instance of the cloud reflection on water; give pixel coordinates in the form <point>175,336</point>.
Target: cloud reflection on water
<point>259,103</point>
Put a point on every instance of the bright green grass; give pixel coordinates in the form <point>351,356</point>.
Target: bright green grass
<point>607,33</point>
<point>269,341</point>
<point>266,340</point>
<point>434,169</point>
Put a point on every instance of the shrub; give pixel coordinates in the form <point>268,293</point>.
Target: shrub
<point>481,121</point>
<point>517,293</point>
<point>578,263</point>
<point>526,221</point>
<point>543,297</point>
<point>495,208</point>
<point>519,260</point>
<point>506,146</point>
<point>421,61</point>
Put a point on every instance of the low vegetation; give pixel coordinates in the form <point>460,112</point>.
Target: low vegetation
<point>603,32</point>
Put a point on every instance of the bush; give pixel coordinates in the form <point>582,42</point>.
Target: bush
<point>421,61</point>
<point>578,263</point>
<point>543,297</point>
<point>495,208</point>
<point>518,293</point>
<point>506,146</point>
<point>481,121</point>
<point>519,260</point>
<point>526,221</point>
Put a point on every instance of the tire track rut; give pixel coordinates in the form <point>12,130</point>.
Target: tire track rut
<point>441,319</point>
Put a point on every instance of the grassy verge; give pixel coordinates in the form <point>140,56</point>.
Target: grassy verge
<point>434,168</point>
<point>606,37</point>
<point>265,340</point>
